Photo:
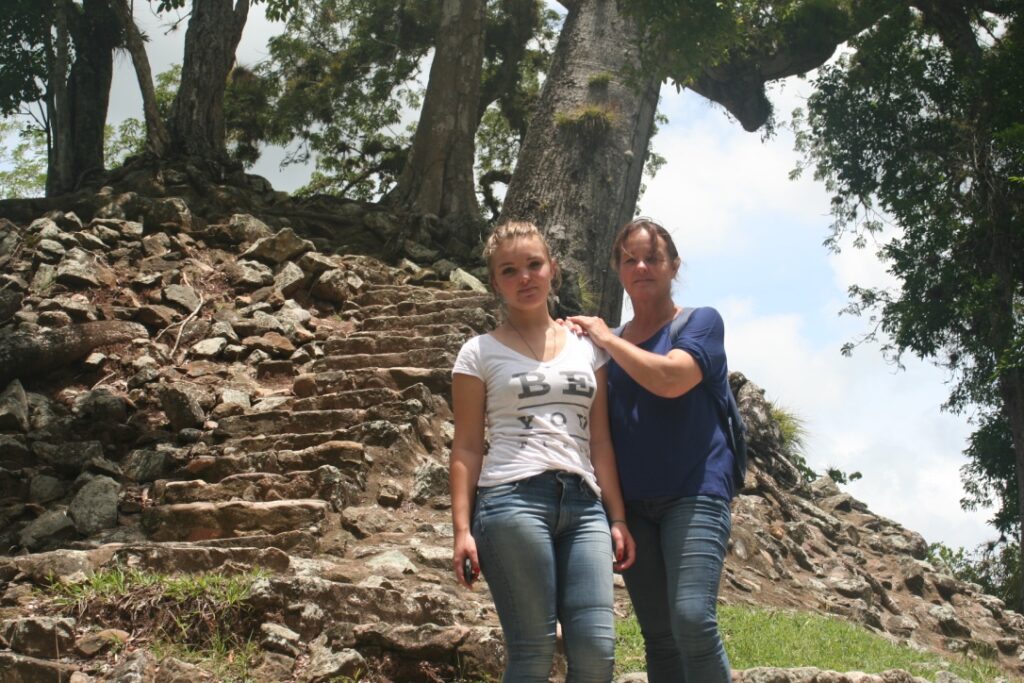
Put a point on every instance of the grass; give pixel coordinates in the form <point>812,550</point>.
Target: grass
<point>776,638</point>
<point>588,120</point>
<point>200,618</point>
<point>228,662</point>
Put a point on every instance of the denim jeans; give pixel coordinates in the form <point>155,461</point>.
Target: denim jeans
<point>680,545</point>
<point>546,550</point>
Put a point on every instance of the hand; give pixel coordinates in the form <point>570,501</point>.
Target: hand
<point>593,327</point>
<point>465,548</point>
<point>625,547</point>
<point>571,326</point>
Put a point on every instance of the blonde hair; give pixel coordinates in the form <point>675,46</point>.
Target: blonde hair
<point>516,230</point>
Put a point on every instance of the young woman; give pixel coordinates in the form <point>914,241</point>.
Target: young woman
<point>527,501</point>
<point>665,398</point>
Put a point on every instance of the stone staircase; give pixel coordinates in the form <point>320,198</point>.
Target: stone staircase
<point>335,462</point>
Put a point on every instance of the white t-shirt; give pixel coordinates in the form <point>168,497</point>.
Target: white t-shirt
<point>538,413</point>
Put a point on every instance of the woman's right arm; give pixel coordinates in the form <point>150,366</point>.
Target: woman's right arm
<point>469,398</point>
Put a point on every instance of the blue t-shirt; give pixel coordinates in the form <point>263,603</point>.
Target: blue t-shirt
<point>674,447</point>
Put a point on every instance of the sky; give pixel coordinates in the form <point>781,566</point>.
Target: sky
<point>751,242</point>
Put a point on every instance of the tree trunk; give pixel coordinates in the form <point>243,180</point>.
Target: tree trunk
<point>95,37</point>
<point>580,168</point>
<point>157,138</point>
<point>438,178</point>
<point>1011,385</point>
<point>197,115</point>
<point>59,175</point>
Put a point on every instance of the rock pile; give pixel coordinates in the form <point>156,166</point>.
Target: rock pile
<point>190,388</point>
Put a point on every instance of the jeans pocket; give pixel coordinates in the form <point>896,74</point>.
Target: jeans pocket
<point>486,494</point>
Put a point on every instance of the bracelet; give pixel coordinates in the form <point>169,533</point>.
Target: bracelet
<point>616,521</point>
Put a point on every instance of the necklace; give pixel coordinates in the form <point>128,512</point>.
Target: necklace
<point>533,353</point>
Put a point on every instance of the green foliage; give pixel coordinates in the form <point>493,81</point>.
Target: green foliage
<point>990,476</point>
<point>794,437</point>
<point>22,161</point>
<point>776,638</point>
<point>277,10</point>
<point>600,80</point>
<point>840,477</point>
<point>919,129</point>
<point>336,87</point>
<point>25,32</point>
<point>683,38</point>
<point>995,566</point>
<point>343,83</point>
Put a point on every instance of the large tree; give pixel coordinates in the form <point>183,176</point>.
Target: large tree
<point>344,77</point>
<point>922,126</point>
<point>580,169</point>
<point>438,176</point>
<point>60,55</point>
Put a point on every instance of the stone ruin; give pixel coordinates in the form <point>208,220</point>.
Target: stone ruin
<point>201,375</point>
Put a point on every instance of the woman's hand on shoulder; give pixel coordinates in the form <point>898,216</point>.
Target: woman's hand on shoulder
<point>570,326</point>
<point>593,327</point>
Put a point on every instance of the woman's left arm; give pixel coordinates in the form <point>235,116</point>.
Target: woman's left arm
<point>602,456</point>
<point>667,376</point>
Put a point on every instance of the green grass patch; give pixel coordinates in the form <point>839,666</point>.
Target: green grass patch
<point>230,662</point>
<point>589,120</point>
<point>776,638</point>
<point>201,612</point>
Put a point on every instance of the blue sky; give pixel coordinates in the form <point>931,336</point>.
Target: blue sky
<point>751,241</point>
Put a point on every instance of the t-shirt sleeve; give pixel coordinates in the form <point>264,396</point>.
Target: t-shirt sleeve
<point>468,360</point>
<point>600,355</point>
<point>703,337</point>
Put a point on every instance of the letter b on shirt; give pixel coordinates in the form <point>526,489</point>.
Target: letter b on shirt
<point>532,384</point>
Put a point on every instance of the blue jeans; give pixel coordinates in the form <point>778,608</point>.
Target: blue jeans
<point>546,550</point>
<point>680,545</point>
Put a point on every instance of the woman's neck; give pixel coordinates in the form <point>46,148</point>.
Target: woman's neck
<point>529,320</point>
<point>654,314</point>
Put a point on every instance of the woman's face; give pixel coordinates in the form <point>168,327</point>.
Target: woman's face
<point>645,269</point>
<point>521,272</point>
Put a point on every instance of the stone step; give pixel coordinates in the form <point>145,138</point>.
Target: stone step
<point>387,342</point>
<point>354,398</point>
<point>191,558</point>
<point>424,358</point>
<point>284,421</point>
<point>484,301</point>
<point>324,483</point>
<point>372,433</point>
<point>381,294</point>
<point>476,319</point>
<point>348,456</point>
<point>363,398</point>
<point>199,521</point>
<point>437,380</point>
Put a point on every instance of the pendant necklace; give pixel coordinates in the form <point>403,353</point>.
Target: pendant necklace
<point>532,352</point>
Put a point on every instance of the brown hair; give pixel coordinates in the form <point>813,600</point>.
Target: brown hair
<point>642,223</point>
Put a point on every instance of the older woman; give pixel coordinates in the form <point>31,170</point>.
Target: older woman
<point>665,396</point>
